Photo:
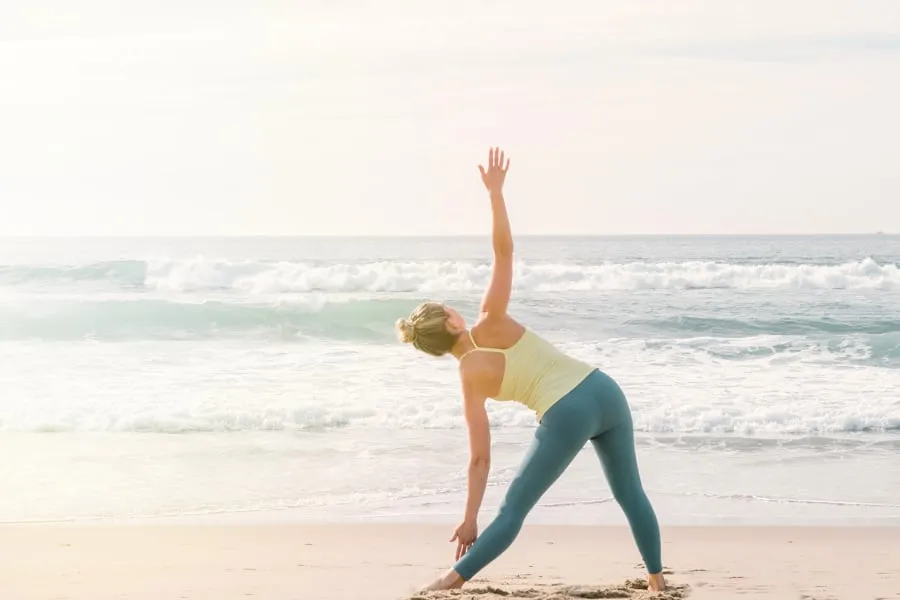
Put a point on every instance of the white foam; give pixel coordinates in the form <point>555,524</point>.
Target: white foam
<point>677,387</point>
<point>441,276</point>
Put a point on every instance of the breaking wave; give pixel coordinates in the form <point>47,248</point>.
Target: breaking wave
<point>260,277</point>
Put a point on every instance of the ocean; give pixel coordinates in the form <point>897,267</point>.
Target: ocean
<point>261,379</point>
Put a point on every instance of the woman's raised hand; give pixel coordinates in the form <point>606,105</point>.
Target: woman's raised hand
<point>495,175</point>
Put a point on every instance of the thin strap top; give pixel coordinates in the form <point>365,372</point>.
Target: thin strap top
<point>536,373</point>
<point>477,347</point>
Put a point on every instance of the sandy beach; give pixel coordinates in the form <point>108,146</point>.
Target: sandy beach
<point>388,562</point>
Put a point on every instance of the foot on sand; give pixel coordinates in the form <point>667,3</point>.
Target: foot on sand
<point>656,582</point>
<point>449,581</point>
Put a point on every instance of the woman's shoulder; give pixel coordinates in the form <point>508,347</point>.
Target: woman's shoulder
<point>497,331</point>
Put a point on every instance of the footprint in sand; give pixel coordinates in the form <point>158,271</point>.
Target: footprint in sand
<point>635,589</point>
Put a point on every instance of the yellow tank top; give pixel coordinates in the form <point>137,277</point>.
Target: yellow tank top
<point>537,374</point>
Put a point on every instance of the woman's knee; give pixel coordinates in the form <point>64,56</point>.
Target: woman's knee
<point>629,494</point>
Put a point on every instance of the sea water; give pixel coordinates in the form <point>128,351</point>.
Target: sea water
<point>260,378</point>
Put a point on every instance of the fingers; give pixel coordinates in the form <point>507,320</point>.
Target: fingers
<point>506,168</point>
<point>463,547</point>
<point>483,174</point>
<point>496,158</point>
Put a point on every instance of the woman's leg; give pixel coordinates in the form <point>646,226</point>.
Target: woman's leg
<point>550,453</point>
<point>615,447</point>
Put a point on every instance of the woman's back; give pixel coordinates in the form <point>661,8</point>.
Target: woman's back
<point>533,371</point>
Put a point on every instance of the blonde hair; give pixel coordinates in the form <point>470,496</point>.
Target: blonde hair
<point>426,329</point>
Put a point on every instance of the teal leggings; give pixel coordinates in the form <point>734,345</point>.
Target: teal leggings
<point>595,410</point>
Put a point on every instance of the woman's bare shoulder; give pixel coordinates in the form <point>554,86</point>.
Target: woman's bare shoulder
<point>497,331</point>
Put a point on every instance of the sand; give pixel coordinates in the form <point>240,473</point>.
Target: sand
<point>635,589</point>
<point>389,562</point>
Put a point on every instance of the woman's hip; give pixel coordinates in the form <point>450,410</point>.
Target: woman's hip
<point>596,404</point>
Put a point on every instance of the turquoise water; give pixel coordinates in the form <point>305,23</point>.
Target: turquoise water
<point>261,376</point>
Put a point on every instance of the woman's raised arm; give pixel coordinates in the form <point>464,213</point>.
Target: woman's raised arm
<point>496,297</point>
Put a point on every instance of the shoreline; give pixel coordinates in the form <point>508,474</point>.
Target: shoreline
<point>351,475</point>
<point>389,561</point>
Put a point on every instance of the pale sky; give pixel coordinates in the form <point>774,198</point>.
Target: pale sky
<point>202,117</point>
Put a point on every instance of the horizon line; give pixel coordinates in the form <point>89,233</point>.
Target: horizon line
<point>429,235</point>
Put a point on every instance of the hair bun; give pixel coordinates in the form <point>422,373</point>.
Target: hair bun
<point>406,331</point>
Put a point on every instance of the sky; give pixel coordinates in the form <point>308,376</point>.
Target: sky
<point>195,117</point>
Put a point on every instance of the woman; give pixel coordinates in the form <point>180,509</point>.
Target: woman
<point>573,401</point>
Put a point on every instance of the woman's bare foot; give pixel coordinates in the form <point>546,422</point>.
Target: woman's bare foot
<point>656,582</point>
<point>449,581</point>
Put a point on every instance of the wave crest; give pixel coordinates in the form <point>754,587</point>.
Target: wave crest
<point>283,277</point>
